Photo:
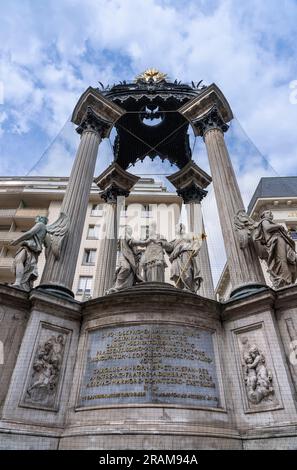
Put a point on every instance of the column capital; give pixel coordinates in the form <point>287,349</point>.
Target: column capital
<point>115,182</point>
<point>92,122</point>
<point>192,193</point>
<point>210,120</point>
<point>190,182</point>
<point>111,194</point>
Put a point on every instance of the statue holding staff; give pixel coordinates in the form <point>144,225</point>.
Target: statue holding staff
<point>184,271</point>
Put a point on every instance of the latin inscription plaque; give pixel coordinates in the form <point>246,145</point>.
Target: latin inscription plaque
<point>150,364</point>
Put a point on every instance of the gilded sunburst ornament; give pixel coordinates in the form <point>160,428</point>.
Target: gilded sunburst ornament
<point>151,75</point>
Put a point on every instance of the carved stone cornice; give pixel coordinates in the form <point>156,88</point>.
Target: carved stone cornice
<point>190,182</point>
<point>200,106</point>
<point>91,122</point>
<point>210,120</point>
<point>115,182</point>
<point>102,106</point>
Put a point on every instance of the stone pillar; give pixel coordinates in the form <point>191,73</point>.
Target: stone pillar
<point>190,183</point>
<point>107,253</point>
<point>196,225</point>
<point>244,266</point>
<point>115,184</point>
<point>58,274</point>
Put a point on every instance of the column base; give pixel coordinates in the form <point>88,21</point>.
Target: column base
<point>60,291</point>
<point>247,289</point>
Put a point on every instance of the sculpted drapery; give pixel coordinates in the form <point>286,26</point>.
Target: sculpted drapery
<point>272,243</point>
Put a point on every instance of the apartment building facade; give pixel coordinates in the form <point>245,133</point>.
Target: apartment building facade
<point>23,198</point>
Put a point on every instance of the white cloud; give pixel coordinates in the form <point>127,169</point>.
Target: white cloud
<point>52,51</point>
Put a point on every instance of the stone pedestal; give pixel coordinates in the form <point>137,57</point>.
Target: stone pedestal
<point>148,364</point>
<point>14,313</point>
<point>152,367</point>
<point>115,184</point>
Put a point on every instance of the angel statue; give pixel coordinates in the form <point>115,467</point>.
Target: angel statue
<point>31,245</point>
<point>183,251</point>
<point>272,243</point>
<point>127,274</point>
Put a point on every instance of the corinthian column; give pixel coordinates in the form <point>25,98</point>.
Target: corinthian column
<point>196,225</point>
<point>190,183</point>
<point>115,184</point>
<point>244,266</point>
<point>58,274</point>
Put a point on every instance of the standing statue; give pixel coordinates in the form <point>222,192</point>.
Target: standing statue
<point>153,262</point>
<point>127,274</point>
<point>183,252</point>
<point>31,245</point>
<point>272,243</point>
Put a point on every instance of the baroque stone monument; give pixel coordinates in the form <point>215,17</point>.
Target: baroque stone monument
<point>146,364</point>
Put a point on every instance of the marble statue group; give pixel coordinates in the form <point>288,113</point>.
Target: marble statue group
<point>144,260</point>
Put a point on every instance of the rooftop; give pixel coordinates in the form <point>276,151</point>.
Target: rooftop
<point>275,186</point>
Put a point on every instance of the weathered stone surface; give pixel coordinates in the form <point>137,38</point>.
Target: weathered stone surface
<point>150,364</point>
<point>151,314</point>
<point>14,313</point>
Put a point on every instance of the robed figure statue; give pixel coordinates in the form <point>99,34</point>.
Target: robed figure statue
<point>272,243</point>
<point>127,274</point>
<point>184,270</point>
<point>153,262</point>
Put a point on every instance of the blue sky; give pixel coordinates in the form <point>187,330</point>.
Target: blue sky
<point>52,51</point>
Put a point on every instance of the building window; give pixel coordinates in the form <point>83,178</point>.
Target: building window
<point>293,232</point>
<point>97,210</point>
<point>144,232</point>
<point>93,232</point>
<point>84,285</point>
<point>146,211</point>
<point>89,256</point>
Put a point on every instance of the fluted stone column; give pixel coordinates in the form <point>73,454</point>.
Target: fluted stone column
<point>190,183</point>
<point>107,252</point>
<point>196,225</point>
<point>115,184</point>
<point>244,265</point>
<point>58,274</point>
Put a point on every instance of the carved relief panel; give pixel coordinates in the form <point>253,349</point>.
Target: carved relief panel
<point>47,367</point>
<point>257,375</point>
